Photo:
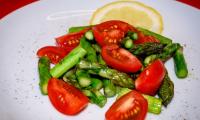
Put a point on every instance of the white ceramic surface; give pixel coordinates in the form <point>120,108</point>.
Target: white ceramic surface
<point>27,29</point>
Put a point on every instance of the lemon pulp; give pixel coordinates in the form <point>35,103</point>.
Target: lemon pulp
<point>132,12</point>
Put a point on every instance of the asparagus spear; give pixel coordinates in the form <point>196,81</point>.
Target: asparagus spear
<point>68,61</point>
<point>147,49</point>
<point>44,74</point>
<point>96,83</point>
<point>127,43</point>
<point>70,77</point>
<point>154,104</point>
<point>95,97</point>
<point>168,52</point>
<point>91,53</point>
<point>77,29</point>
<point>97,48</point>
<point>117,77</point>
<point>180,64</point>
<point>89,35</point>
<point>109,88</point>
<point>122,92</point>
<point>166,91</point>
<point>83,78</point>
<point>100,60</point>
<point>132,35</point>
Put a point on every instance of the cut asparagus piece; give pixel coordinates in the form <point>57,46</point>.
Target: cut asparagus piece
<point>154,104</point>
<point>77,29</point>
<point>44,74</point>
<point>109,88</point>
<point>95,97</point>
<point>180,64</point>
<point>117,77</point>
<point>96,84</point>
<point>91,53</point>
<point>167,53</point>
<point>68,62</point>
<point>83,78</point>
<point>147,49</point>
<point>166,90</point>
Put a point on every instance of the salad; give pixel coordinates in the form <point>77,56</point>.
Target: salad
<point>113,58</point>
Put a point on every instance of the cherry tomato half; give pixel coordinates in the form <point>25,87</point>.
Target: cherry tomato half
<point>151,78</point>
<point>66,98</point>
<point>70,40</point>
<point>131,106</point>
<point>143,39</point>
<point>55,54</point>
<point>120,59</point>
<point>111,32</point>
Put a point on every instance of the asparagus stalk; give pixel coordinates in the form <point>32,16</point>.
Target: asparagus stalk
<point>180,64</point>
<point>91,53</point>
<point>122,92</point>
<point>83,78</point>
<point>70,77</point>
<point>117,77</point>
<point>127,43</point>
<point>95,97</point>
<point>132,35</point>
<point>100,60</point>
<point>166,91</point>
<point>68,62</point>
<point>154,104</point>
<point>96,83</point>
<point>77,29</point>
<point>168,52</point>
<point>44,74</point>
<point>97,48</point>
<point>147,49</point>
<point>109,88</point>
<point>89,35</point>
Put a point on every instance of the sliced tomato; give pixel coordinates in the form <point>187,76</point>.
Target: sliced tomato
<point>143,39</point>
<point>151,78</point>
<point>55,54</point>
<point>120,59</point>
<point>131,106</point>
<point>66,98</point>
<point>111,32</point>
<point>70,40</point>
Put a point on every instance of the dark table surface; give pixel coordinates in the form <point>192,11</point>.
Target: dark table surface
<point>8,6</point>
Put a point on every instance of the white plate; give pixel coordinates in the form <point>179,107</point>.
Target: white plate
<point>36,25</point>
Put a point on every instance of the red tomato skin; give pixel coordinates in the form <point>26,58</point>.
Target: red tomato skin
<point>131,64</point>
<point>54,53</point>
<point>70,40</point>
<point>151,78</point>
<point>144,39</point>
<point>111,30</point>
<point>125,105</point>
<point>66,98</point>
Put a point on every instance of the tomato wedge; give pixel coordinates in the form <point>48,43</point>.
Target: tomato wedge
<point>151,78</point>
<point>70,40</point>
<point>111,32</point>
<point>120,59</point>
<point>131,106</point>
<point>66,98</point>
<point>143,39</point>
<point>55,54</point>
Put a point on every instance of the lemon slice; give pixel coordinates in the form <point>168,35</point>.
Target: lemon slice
<point>132,12</point>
